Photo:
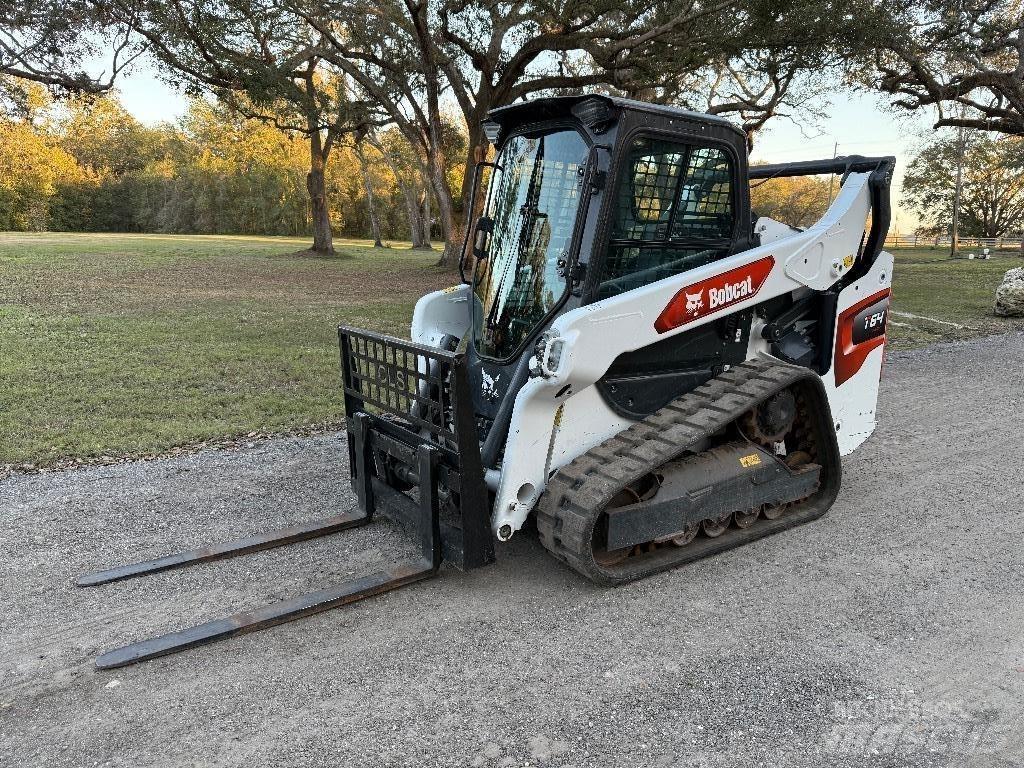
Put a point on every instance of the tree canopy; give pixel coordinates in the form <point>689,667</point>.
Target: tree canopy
<point>89,165</point>
<point>992,200</point>
<point>262,58</point>
<point>795,200</point>
<point>401,62</point>
<point>50,41</point>
<point>962,58</point>
<point>749,58</point>
<point>398,89</point>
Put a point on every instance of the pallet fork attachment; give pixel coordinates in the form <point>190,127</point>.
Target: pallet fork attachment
<point>426,386</point>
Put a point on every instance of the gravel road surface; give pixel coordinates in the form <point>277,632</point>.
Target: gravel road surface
<point>889,633</point>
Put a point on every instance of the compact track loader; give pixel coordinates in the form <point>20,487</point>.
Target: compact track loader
<point>632,356</point>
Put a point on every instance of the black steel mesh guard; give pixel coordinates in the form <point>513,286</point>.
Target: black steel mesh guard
<point>402,398</point>
<point>385,375</point>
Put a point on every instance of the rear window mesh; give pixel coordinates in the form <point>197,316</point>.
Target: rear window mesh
<point>674,212</point>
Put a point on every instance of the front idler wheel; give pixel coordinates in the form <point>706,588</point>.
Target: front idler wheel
<point>688,534</point>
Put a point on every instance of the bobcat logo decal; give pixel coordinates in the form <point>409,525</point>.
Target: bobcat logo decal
<point>695,301</point>
<point>489,389</point>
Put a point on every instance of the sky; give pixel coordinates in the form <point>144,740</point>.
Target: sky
<point>859,123</point>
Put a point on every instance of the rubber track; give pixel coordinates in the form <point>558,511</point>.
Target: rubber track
<point>577,494</point>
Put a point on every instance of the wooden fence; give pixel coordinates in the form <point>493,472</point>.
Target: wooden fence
<point>921,241</point>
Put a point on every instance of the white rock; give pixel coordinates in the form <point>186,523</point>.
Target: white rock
<point>1010,294</point>
<point>112,684</point>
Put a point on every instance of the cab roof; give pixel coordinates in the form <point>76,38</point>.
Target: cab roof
<point>593,108</point>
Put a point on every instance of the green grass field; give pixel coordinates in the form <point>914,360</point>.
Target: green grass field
<point>126,344</point>
<point>116,345</point>
<point>929,284</point>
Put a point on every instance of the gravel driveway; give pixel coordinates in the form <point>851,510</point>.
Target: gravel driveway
<point>890,633</point>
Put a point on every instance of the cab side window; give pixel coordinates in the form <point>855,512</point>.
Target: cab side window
<point>673,212</point>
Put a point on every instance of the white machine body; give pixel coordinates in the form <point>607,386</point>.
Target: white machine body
<point>559,414</point>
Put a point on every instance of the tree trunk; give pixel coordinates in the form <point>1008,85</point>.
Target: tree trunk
<point>323,240</point>
<point>370,207</point>
<point>436,161</point>
<point>465,210</point>
<point>476,152</point>
<point>426,220</point>
<point>412,203</point>
<point>954,233</point>
<point>433,171</point>
<point>451,228</point>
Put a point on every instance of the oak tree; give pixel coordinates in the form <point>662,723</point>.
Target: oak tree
<point>50,41</point>
<point>263,59</point>
<point>992,197</point>
<point>962,58</point>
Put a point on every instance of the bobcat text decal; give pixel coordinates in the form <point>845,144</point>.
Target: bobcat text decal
<point>714,293</point>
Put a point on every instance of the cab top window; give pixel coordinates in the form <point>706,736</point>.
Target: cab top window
<point>674,211</point>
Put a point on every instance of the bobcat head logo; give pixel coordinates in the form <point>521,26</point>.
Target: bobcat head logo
<point>489,389</point>
<point>695,301</point>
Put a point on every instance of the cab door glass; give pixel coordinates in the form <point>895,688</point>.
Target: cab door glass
<point>532,203</point>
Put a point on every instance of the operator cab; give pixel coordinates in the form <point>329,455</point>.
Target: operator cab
<point>588,197</point>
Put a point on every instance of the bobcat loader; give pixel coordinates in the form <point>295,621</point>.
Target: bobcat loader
<point>632,358</point>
